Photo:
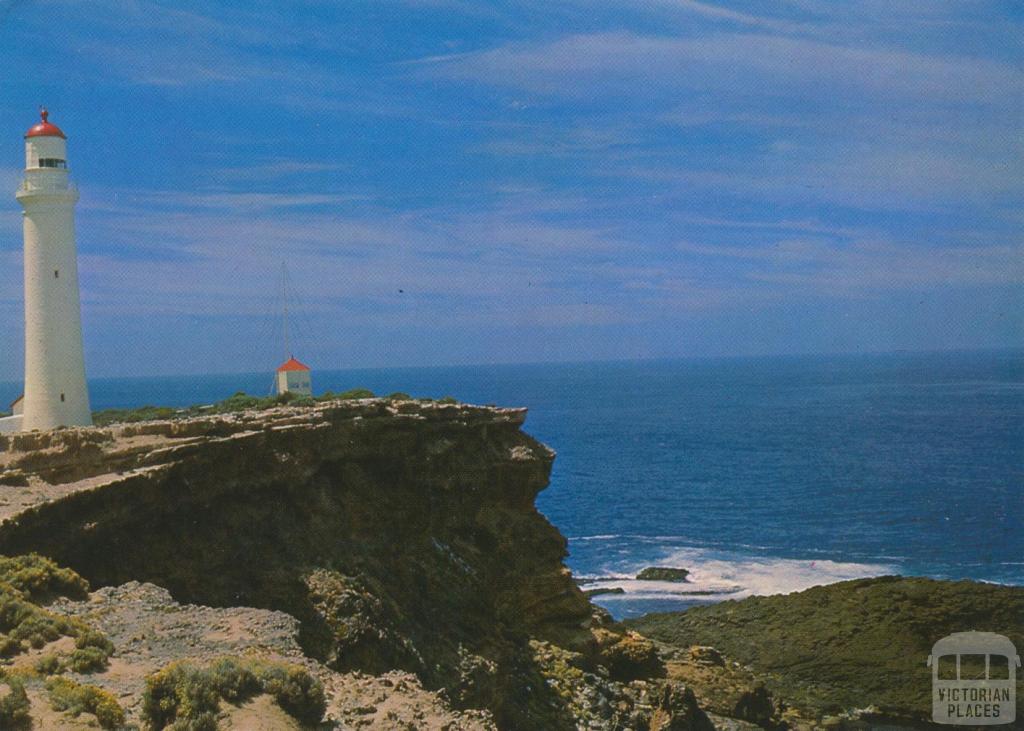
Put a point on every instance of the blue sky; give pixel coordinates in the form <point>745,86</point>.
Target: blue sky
<point>468,182</point>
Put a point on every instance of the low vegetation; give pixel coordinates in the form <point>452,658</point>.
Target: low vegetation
<point>240,401</point>
<point>14,705</point>
<point>25,583</point>
<point>40,579</point>
<point>848,645</point>
<point>75,699</point>
<point>187,697</point>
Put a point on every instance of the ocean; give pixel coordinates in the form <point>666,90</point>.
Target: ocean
<point>758,475</point>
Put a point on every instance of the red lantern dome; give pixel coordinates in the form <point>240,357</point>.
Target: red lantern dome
<point>44,128</point>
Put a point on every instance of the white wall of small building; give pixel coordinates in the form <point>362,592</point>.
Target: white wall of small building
<point>297,382</point>
<point>10,424</point>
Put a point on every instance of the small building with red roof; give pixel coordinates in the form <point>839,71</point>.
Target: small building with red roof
<point>294,377</point>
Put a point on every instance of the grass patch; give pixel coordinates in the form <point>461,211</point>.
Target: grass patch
<point>186,696</point>
<point>75,699</point>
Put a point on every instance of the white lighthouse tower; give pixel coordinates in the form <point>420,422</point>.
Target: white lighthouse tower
<point>55,390</point>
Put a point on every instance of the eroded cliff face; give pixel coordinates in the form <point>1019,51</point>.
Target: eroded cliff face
<point>401,535</point>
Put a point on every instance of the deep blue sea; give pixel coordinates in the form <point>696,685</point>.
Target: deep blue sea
<point>759,475</point>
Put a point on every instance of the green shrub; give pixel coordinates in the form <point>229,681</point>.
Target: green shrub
<point>49,665</point>
<point>297,692</point>
<point>203,722</point>
<point>447,400</point>
<point>9,647</point>
<point>179,692</point>
<point>39,628</point>
<point>94,638</point>
<point>88,660</point>
<point>399,396</point>
<point>352,393</point>
<point>23,620</point>
<point>233,680</point>
<point>239,402</point>
<point>14,706</point>
<point>355,393</point>
<point>123,416</point>
<point>67,695</point>
<point>13,609</point>
<point>24,581</point>
<point>40,579</point>
<point>186,698</point>
<point>107,710</point>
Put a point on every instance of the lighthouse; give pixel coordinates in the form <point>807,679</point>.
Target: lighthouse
<point>55,390</point>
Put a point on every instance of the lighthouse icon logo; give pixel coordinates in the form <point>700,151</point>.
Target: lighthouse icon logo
<point>974,679</point>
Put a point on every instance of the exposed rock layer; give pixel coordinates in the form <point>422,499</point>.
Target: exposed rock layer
<point>401,535</point>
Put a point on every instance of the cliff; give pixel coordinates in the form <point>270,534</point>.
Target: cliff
<point>401,536</point>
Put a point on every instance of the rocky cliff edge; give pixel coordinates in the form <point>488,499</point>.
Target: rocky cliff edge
<point>400,536</point>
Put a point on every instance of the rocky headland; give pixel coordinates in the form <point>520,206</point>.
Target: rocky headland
<point>380,564</point>
<point>390,547</point>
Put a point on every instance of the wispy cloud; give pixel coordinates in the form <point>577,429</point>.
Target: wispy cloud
<point>717,12</point>
<point>597,63</point>
<point>830,267</point>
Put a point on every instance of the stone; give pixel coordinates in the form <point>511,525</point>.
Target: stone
<point>706,655</point>
<point>663,573</point>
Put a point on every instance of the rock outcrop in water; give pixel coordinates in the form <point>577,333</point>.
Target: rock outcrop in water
<point>401,536</point>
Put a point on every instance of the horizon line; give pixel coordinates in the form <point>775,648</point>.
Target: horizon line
<point>646,359</point>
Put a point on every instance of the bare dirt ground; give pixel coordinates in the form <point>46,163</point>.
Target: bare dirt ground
<point>149,630</point>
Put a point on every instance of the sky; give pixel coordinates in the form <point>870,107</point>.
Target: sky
<point>449,181</point>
